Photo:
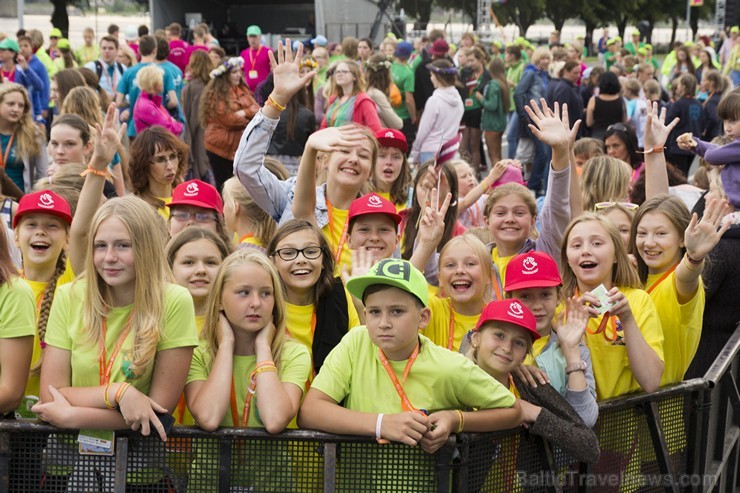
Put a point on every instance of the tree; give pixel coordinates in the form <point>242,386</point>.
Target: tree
<point>559,11</point>
<point>421,10</point>
<point>468,7</point>
<point>523,13</point>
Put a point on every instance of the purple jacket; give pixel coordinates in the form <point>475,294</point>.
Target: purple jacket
<point>729,155</point>
<point>149,112</point>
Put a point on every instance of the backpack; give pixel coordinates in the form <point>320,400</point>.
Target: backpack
<point>99,69</point>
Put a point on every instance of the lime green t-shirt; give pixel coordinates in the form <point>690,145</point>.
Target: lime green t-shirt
<point>65,330</point>
<point>295,365</point>
<point>17,310</point>
<point>439,379</point>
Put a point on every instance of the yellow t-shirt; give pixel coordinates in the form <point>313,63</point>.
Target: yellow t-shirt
<point>17,310</point>
<point>501,263</point>
<point>682,324</point>
<point>38,287</point>
<point>333,233</point>
<point>387,196</point>
<point>438,329</point>
<point>612,369</point>
<point>164,211</point>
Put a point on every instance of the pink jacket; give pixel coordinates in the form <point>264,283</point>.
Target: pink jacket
<point>365,112</point>
<point>148,112</point>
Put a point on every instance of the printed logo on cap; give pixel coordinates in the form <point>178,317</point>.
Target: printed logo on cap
<point>191,190</point>
<point>530,266</point>
<point>393,269</point>
<point>46,201</point>
<point>389,135</point>
<point>515,310</point>
<point>374,201</point>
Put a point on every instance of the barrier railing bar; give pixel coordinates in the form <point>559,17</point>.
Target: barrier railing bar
<point>444,465</point>
<point>5,462</point>
<point>698,422</point>
<point>583,470</point>
<point>635,400</point>
<point>224,464</point>
<point>655,425</point>
<point>547,457</point>
<point>719,470</point>
<point>330,467</point>
<point>725,358</point>
<point>461,473</point>
<point>119,485</point>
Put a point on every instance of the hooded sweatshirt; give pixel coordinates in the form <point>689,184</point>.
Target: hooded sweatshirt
<point>440,121</point>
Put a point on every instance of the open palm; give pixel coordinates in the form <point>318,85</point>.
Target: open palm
<point>286,71</point>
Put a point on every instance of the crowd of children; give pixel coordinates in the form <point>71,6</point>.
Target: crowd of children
<point>235,293</point>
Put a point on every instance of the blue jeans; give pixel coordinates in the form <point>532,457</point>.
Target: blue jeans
<point>735,75</point>
<point>540,167</point>
<point>512,133</point>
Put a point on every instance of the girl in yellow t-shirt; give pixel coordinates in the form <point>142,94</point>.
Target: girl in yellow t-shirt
<point>17,329</point>
<point>464,277</point>
<point>319,310</point>
<point>626,342</point>
<point>41,229</point>
<point>392,173</point>
<point>194,256</point>
<point>670,247</point>
<point>246,372</point>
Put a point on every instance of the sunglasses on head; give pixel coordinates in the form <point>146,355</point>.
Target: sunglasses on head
<point>617,127</point>
<point>605,205</point>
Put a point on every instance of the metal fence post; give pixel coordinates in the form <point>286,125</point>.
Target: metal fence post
<point>224,464</point>
<point>119,484</point>
<point>657,436</point>
<point>5,462</point>
<point>330,467</point>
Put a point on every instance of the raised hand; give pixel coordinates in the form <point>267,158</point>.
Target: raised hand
<point>703,234</point>
<point>432,220</point>
<point>286,72</point>
<point>570,325</point>
<point>108,138</point>
<point>548,126</point>
<point>333,139</point>
<point>656,131</point>
<point>362,262</point>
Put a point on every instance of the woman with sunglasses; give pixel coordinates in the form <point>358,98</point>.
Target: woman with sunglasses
<point>347,99</point>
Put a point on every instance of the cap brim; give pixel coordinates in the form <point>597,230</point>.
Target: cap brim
<point>393,215</point>
<point>195,203</point>
<point>60,214</point>
<point>533,283</point>
<point>398,144</point>
<point>358,285</point>
<point>532,333</point>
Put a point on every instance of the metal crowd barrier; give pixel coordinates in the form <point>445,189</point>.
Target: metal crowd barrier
<point>681,438</point>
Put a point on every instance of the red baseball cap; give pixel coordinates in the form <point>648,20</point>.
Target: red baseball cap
<point>390,137</point>
<point>373,203</point>
<point>199,194</point>
<point>511,311</point>
<point>532,270</point>
<point>43,202</point>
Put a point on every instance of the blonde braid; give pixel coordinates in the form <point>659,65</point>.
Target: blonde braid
<point>46,299</point>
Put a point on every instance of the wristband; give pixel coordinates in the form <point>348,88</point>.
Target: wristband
<point>108,403</point>
<point>653,150</point>
<point>271,101</point>
<point>692,261</point>
<point>264,369</point>
<point>92,171</point>
<point>577,366</point>
<point>462,421</point>
<point>378,425</point>
<point>692,267</point>
<point>121,390</point>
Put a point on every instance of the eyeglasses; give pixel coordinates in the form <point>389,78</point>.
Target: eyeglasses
<point>200,217</point>
<point>165,159</point>
<point>605,205</point>
<point>287,254</point>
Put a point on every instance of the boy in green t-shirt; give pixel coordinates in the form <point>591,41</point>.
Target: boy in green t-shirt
<point>384,373</point>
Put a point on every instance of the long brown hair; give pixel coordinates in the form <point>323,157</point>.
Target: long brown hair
<point>27,134</point>
<point>498,73</point>
<point>200,66</point>
<point>216,93</point>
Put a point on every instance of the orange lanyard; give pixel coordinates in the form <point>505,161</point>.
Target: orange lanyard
<point>496,282</point>
<point>662,278</point>
<point>251,390</point>
<point>253,60</point>
<point>343,237</point>
<point>451,335</point>
<point>607,317</point>
<point>104,370</point>
<point>10,77</point>
<point>405,402</point>
<point>4,156</point>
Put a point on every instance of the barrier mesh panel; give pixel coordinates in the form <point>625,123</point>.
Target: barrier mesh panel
<point>393,467</point>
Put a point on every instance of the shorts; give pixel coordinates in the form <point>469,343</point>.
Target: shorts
<point>471,118</point>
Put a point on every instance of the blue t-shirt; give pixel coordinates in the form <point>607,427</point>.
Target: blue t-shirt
<point>176,74</point>
<point>130,88</point>
<point>13,163</point>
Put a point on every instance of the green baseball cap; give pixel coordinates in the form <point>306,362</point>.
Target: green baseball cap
<point>394,272</point>
<point>734,29</point>
<point>63,44</point>
<point>254,30</point>
<point>55,33</point>
<point>635,32</point>
<point>9,44</point>
<point>610,42</point>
